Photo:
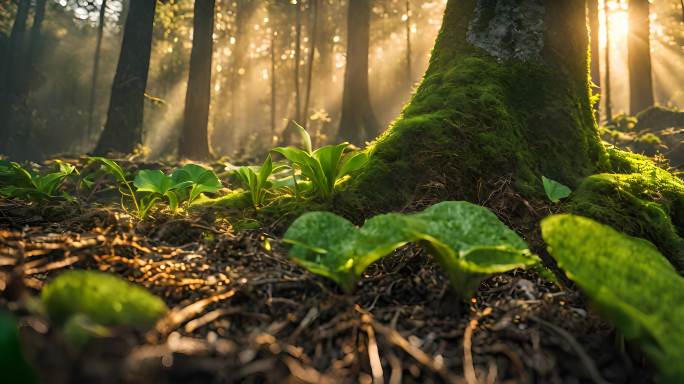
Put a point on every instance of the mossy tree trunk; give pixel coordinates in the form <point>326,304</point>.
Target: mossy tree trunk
<point>506,96</point>
<point>194,140</point>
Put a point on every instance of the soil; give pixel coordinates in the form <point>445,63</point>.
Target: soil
<point>243,312</point>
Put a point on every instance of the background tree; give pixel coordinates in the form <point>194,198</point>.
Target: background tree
<point>34,46</point>
<point>194,136</point>
<point>123,130</point>
<point>607,99</point>
<point>358,121</point>
<point>492,107</point>
<point>96,69</point>
<point>594,36</point>
<point>639,56</point>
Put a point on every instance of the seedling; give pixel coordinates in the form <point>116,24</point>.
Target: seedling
<point>631,283</point>
<point>555,191</point>
<point>256,181</point>
<point>125,186</point>
<point>468,241</point>
<point>324,167</point>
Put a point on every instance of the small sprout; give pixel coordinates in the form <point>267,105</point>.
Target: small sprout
<point>555,191</point>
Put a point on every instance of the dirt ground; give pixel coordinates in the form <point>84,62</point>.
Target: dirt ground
<point>242,312</point>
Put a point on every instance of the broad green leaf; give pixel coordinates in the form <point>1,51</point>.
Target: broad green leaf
<point>468,241</point>
<point>255,182</point>
<point>324,244</point>
<point>106,299</point>
<point>330,158</point>
<point>555,191</point>
<point>631,283</point>
<point>153,181</point>
<point>202,180</point>
<point>352,163</point>
<point>13,365</point>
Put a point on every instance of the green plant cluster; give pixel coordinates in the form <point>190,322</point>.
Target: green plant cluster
<point>312,173</point>
<point>630,282</point>
<point>183,185</point>
<point>19,182</point>
<point>467,240</point>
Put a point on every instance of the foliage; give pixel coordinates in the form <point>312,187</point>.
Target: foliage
<point>554,190</point>
<point>184,184</point>
<point>639,199</point>
<point>468,241</point>
<point>256,182</point>
<point>18,182</point>
<point>13,366</point>
<point>629,280</point>
<point>325,167</point>
<point>115,170</point>
<point>104,298</point>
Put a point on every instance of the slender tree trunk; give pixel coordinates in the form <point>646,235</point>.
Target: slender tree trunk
<point>639,57</point>
<point>358,121</point>
<point>96,69</point>
<point>273,82</point>
<point>606,89</point>
<point>506,97</point>
<point>409,74</point>
<point>313,34</point>
<point>594,30</point>
<point>297,59</point>
<point>194,139</point>
<point>34,46</point>
<point>123,130</point>
<point>244,12</point>
<point>11,72</point>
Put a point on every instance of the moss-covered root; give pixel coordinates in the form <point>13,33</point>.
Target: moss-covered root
<point>490,108</point>
<point>638,198</point>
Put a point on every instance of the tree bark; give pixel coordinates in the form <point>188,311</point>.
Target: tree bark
<point>505,100</point>
<point>96,69</point>
<point>123,130</point>
<point>34,45</point>
<point>194,139</point>
<point>594,33</point>
<point>8,82</point>
<point>639,57</point>
<point>358,121</point>
<point>313,35</point>
<point>608,102</point>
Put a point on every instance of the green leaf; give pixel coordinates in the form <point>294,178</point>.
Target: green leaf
<point>113,168</point>
<point>153,181</point>
<point>468,241</point>
<point>201,180</point>
<point>304,135</point>
<point>352,163</point>
<point>13,365</point>
<point>632,284</point>
<point>104,298</point>
<point>256,183</point>
<point>555,191</point>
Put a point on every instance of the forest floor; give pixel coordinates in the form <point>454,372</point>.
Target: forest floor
<point>243,312</point>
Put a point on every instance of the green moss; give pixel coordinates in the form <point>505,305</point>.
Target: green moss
<point>648,144</point>
<point>659,118</point>
<point>475,119</point>
<point>639,199</point>
<point>104,298</point>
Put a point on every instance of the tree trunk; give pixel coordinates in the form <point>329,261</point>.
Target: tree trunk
<point>313,35</point>
<point>639,57</point>
<point>34,44</point>
<point>297,59</point>
<point>505,98</point>
<point>96,68</point>
<point>8,81</point>
<point>358,121</point>
<point>594,30</point>
<point>409,74</point>
<point>123,130</point>
<point>194,139</point>
<point>606,89</point>
<point>244,12</point>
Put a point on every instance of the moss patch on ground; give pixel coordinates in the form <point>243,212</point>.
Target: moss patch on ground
<point>637,198</point>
